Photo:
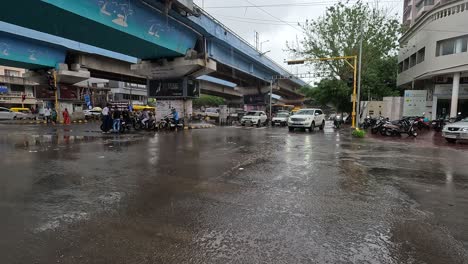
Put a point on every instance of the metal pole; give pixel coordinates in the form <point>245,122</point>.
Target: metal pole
<point>359,81</point>
<point>56,96</point>
<point>271,96</point>
<point>353,121</point>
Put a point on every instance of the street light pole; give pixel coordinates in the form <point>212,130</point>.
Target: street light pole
<point>359,81</point>
<point>271,96</point>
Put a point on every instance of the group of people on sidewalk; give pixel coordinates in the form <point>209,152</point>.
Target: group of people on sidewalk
<point>112,119</point>
<point>50,116</point>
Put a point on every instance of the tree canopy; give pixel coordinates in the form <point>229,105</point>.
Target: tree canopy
<point>208,100</point>
<point>337,33</point>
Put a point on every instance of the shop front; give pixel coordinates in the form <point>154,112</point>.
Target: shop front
<point>442,100</point>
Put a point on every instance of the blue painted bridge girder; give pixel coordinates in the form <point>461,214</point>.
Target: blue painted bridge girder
<point>126,26</point>
<point>17,51</point>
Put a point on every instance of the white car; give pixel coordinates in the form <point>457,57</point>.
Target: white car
<point>89,114</point>
<point>281,119</point>
<point>257,118</point>
<point>456,131</point>
<point>7,114</point>
<point>307,119</point>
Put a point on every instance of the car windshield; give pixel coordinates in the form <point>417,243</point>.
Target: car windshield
<point>282,115</point>
<point>305,112</point>
<point>253,113</point>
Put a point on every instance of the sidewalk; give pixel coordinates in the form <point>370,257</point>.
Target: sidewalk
<point>37,122</point>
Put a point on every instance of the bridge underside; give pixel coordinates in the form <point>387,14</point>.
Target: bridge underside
<point>16,51</point>
<point>127,27</point>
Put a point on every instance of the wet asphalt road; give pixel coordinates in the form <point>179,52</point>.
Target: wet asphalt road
<point>229,195</point>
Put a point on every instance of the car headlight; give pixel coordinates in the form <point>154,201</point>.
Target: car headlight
<point>465,129</point>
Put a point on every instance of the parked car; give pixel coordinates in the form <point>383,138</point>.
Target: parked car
<point>91,114</point>
<point>23,113</point>
<point>456,131</point>
<point>280,119</point>
<point>7,114</point>
<point>212,113</point>
<point>257,118</point>
<point>307,119</point>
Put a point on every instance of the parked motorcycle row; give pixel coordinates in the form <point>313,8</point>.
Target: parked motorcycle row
<point>408,125</point>
<point>136,123</point>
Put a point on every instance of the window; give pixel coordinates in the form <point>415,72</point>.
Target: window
<point>400,67</point>
<point>412,60</point>
<point>16,88</point>
<point>12,73</point>
<point>405,64</point>
<point>318,112</point>
<point>452,46</point>
<point>421,55</point>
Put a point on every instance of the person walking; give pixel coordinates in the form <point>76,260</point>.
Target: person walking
<point>47,115</point>
<point>66,117</point>
<point>116,116</point>
<point>53,116</point>
<point>105,119</point>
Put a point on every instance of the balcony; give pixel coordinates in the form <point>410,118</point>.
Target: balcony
<point>15,80</point>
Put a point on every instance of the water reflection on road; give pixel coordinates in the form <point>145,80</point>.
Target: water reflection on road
<point>229,195</point>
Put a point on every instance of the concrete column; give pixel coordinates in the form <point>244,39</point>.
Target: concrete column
<point>455,90</point>
<point>434,108</point>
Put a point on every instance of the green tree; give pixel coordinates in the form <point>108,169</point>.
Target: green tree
<point>208,100</point>
<point>337,33</point>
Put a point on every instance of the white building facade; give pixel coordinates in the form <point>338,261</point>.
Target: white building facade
<point>434,55</point>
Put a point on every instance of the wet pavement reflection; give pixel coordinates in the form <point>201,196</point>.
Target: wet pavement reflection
<point>230,195</point>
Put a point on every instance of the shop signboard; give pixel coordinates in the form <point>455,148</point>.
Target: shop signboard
<point>173,89</point>
<point>256,99</point>
<point>414,102</point>
<point>3,89</point>
<point>445,90</point>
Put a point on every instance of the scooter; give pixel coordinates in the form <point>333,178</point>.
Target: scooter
<point>396,128</point>
<point>337,121</point>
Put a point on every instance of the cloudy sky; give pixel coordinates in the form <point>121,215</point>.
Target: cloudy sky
<point>276,20</point>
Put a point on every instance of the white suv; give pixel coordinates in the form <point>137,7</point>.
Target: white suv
<point>254,118</point>
<point>307,118</point>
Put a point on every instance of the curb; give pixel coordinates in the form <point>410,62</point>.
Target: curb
<point>199,127</point>
<point>40,122</point>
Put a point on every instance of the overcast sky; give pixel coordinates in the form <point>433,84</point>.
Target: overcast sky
<point>276,20</point>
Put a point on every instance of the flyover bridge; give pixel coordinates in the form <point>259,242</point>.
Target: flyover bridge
<point>132,39</point>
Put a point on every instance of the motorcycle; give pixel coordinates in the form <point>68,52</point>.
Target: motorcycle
<point>124,126</point>
<point>396,128</point>
<point>149,124</point>
<point>379,122</point>
<point>168,123</point>
<point>368,122</point>
<point>438,124</point>
<point>337,121</point>
<point>422,123</point>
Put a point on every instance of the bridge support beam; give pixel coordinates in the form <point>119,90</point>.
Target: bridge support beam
<point>174,69</point>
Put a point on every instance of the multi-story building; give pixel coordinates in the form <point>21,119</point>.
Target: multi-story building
<point>13,87</point>
<point>137,94</point>
<point>433,54</point>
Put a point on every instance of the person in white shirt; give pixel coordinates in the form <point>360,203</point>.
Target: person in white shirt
<point>106,120</point>
<point>47,114</point>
